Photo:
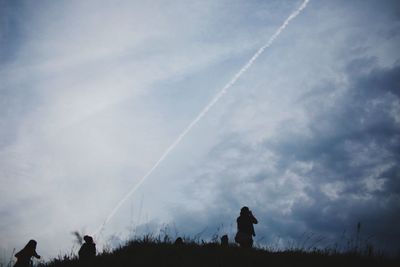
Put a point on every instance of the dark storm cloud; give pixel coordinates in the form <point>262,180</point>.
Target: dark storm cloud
<point>367,117</point>
<point>354,140</point>
<point>364,115</point>
<point>344,170</point>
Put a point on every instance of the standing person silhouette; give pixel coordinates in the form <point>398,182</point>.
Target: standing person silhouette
<point>24,255</point>
<point>245,228</point>
<point>88,249</point>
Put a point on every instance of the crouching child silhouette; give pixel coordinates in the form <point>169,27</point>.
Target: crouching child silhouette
<point>245,228</point>
<point>88,249</point>
<point>224,241</point>
<point>24,255</point>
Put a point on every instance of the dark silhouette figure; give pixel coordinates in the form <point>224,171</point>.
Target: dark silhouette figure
<point>24,255</point>
<point>224,241</point>
<point>245,228</point>
<point>178,241</point>
<point>88,249</point>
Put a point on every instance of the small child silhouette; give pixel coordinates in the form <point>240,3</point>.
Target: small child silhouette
<point>88,249</point>
<point>179,241</point>
<point>24,255</point>
<point>224,241</point>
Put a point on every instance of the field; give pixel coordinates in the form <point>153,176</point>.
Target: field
<point>149,251</point>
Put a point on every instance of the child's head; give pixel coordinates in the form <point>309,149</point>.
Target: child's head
<point>88,239</point>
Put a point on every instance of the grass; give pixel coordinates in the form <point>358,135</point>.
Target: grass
<point>156,251</point>
<point>160,250</point>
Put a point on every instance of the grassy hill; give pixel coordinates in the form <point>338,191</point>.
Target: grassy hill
<point>155,252</point>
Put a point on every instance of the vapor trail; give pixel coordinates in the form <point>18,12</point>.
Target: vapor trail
<point>204,112</point>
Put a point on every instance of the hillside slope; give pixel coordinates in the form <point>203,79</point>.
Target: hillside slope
<point>156,253</point>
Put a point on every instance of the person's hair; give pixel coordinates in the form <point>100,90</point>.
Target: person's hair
<point>88,239</point>
<point>245,210</point>
<point>31,244</point>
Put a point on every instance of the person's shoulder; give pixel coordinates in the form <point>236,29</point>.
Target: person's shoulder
<point>18,253</point>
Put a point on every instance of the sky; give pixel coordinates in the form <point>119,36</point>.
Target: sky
<point>93,92</point>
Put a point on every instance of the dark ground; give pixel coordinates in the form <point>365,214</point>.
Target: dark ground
<point>151,252</point>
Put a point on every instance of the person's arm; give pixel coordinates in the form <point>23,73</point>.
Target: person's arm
<point>253,219</point>
<point>17,254</point>
<point>37,256</point>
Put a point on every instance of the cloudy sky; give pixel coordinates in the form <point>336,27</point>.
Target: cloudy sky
<point>93,92</point>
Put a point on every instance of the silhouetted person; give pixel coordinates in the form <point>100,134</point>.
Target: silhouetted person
<point>178,241</point>
<point>24,255</point>
<point>88,249</point>
<point>224,241</point>
<point>245,228</point>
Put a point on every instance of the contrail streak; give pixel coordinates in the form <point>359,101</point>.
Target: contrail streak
<point>204,112</point>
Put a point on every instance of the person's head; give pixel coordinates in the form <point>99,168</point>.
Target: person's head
<point>88,239</point>
<point>224,240</point>
<point>31,244</point>
<point>179,241</point>
<point>244,211</point>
